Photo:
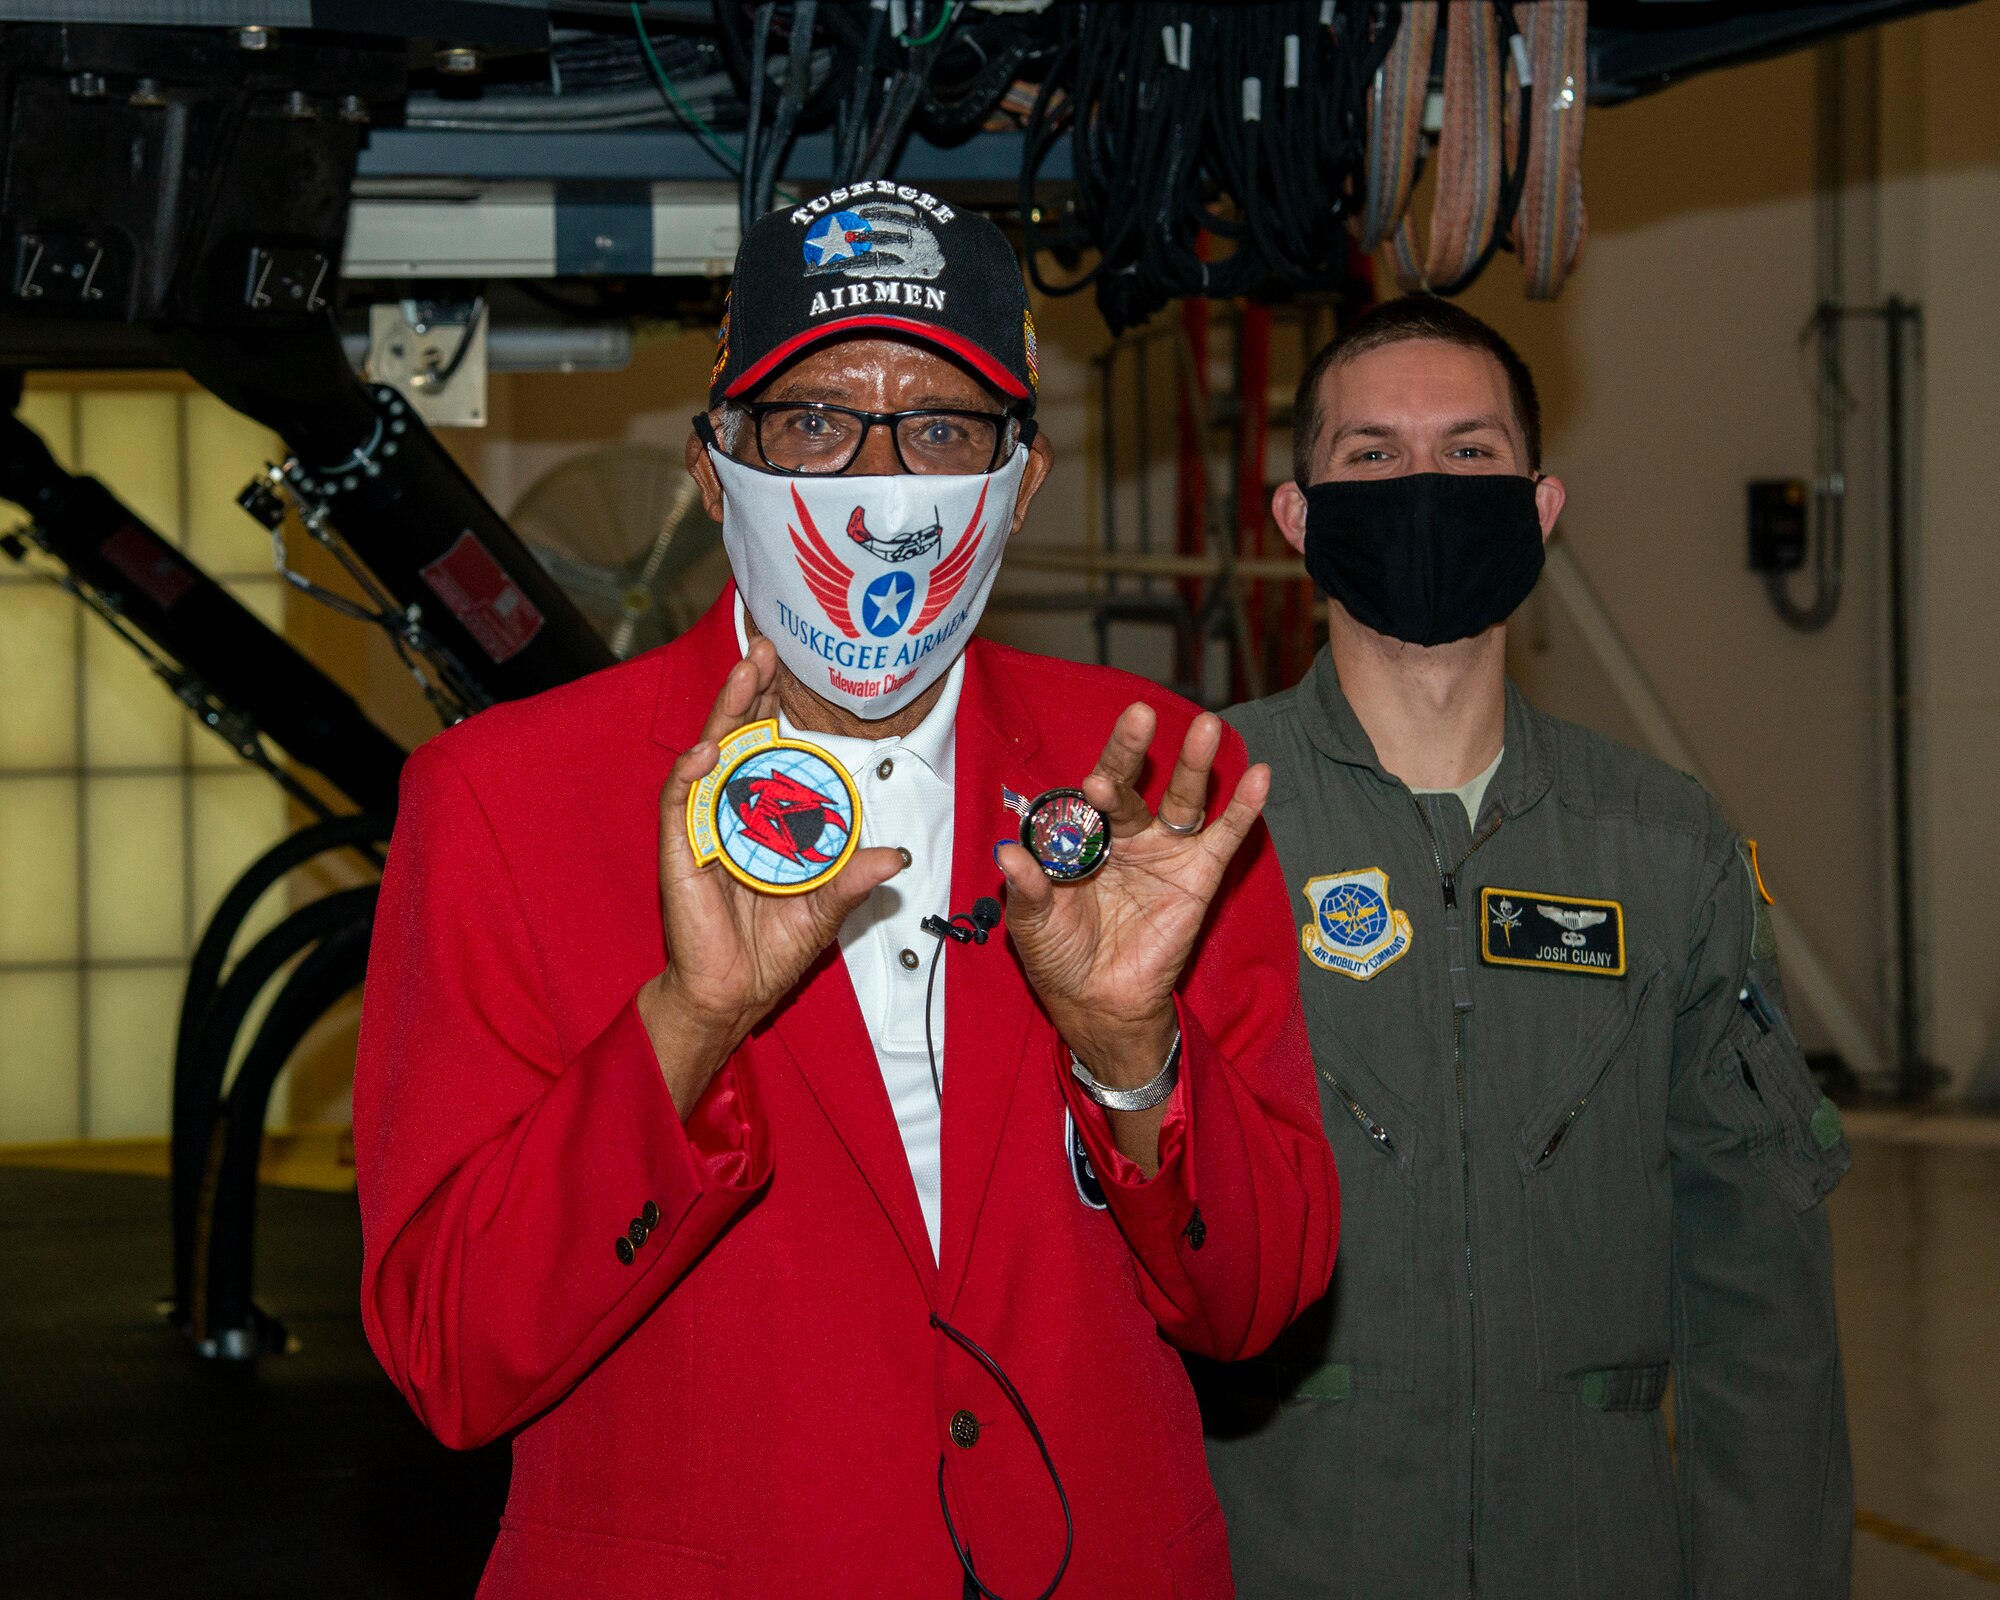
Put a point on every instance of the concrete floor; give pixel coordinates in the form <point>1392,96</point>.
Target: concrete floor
<point>126,1468</point>
<point>1916,1234</point>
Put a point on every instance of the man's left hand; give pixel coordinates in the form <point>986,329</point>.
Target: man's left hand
<point>1104,954</point>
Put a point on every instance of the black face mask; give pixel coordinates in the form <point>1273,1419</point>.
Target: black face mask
<point>1426,558</point>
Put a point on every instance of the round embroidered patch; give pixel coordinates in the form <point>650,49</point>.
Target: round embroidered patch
<point>780,815</point>
<point>1068,835</point>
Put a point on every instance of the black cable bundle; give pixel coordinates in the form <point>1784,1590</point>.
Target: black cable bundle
<point>1194,123</point>
<point>942,74</point>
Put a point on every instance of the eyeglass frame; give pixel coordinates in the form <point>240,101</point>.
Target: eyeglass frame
<point>757,410</point>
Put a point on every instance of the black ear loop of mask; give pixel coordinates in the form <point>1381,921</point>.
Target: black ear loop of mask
<point>983,919</point>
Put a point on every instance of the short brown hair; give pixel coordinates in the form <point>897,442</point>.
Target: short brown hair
<point>1414,316</point>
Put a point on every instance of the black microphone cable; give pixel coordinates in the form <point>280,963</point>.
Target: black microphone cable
<point>976,927</point>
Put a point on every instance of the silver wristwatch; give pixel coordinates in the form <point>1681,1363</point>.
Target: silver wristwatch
<point>1143,1098</point>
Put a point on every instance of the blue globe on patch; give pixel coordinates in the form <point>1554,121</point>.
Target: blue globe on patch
<point>1352,915</point>
<point>840,237</point>
<point>885,603</point>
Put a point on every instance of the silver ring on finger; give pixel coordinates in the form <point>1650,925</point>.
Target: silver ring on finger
<point>1182,828</point>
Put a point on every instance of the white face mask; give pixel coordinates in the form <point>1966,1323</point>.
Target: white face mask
<point>870,587</point>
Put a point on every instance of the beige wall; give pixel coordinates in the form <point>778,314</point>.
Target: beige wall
<point>1673,372</point>
<point>1941,248</point>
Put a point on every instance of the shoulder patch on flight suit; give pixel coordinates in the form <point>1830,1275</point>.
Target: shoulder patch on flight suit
<point>1555,932</point>
<point>1353,930</point>
<point>1763,934</point>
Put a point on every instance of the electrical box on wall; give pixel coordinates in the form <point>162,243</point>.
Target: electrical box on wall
<point>1777,524</point>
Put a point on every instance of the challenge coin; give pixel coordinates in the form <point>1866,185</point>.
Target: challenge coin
<point>1068,835</point>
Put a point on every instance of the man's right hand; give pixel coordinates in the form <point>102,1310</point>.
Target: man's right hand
<point>732,953</point>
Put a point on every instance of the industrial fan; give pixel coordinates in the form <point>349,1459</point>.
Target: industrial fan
<point>623,531</point>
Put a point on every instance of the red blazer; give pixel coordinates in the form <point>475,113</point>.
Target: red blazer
<point>758,1404</point>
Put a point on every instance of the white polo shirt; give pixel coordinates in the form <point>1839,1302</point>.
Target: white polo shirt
<point>907,803</point>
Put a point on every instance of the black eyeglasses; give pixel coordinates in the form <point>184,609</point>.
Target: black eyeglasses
<point>812,438</point>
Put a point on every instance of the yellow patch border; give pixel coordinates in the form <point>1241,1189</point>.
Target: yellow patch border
<point>705,838</point>
<point>1486,947</point>
<point>1399,923</point>
<point>1757,872</point>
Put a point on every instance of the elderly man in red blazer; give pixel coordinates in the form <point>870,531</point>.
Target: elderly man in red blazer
<point>793,1264</point>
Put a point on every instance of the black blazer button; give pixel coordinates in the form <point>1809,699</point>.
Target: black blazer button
<point>635,1230</point>
<point>650,1215</point>
<point>964,1429</point>
<point>1196,1230</point>
<point>625,1250</point>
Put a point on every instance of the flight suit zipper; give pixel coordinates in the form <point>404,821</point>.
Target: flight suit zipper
<point>1461,1002</point>
<point>1359,1113</point>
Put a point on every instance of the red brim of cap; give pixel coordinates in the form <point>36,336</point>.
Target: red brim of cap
<point>952,344</point>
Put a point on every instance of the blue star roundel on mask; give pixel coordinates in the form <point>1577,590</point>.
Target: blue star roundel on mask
<point>885,603</point>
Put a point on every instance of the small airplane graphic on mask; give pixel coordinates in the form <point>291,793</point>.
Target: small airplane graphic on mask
<point>898,546</point>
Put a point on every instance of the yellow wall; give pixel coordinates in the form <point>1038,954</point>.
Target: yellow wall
<point>121,824</point>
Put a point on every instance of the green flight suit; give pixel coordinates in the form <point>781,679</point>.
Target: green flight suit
<point>1579,1149</point>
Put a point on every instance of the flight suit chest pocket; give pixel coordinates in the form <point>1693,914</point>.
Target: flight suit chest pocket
<point>1596,1194</point>
<point>1365,1329</point>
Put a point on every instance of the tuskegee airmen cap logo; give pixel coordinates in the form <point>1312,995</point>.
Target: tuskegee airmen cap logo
<point>877,256</point>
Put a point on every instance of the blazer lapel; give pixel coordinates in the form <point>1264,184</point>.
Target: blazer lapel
<point>820,1027</point>
<point>989,1005</point>
<point>819,1024</point>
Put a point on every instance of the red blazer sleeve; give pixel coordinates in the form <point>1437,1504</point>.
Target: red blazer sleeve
<point>500,1163</point>
<point>1235,1234</point>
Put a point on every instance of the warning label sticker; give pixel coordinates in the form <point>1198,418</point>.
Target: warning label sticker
<point>491,605</point>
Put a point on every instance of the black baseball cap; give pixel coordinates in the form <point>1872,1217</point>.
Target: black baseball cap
<point>876,256</point>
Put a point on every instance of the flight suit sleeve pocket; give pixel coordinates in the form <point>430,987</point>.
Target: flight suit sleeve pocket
<point>1792,1129</point>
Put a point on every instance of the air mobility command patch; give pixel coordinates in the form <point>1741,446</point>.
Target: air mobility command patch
<point>1353,930</point>
<point>1555,932</point>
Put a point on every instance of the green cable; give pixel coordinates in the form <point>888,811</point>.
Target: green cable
<point>700,129</point>
<point>687,113</point>
<point>952,8</point>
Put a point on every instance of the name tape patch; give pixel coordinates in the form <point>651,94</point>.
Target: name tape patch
<point>1554,932</point>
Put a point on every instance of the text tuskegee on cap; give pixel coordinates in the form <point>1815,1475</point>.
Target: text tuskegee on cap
<point>876,256</point>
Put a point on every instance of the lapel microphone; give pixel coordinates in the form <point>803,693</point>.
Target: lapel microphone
<point>963,927</point>
<point>976,927</point>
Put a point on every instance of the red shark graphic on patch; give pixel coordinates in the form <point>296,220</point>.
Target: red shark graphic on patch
<point>830,579</point>
<point>782,814</point>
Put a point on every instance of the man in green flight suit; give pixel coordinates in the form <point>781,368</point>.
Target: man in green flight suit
<point>1580,1151</point>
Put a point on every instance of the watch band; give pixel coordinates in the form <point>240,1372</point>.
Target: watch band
<point>1143,1098</point>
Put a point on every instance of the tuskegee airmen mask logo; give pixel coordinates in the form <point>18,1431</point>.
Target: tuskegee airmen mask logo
<point>869,587</point>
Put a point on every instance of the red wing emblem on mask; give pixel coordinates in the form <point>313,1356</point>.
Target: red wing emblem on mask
<point>784,815</point>
<point>948,576</point>
<point>824,574</point>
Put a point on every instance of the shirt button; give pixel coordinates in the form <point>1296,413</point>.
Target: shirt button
<point>909,959</point>
<point>908,859</point>
<point>964,1429</point>
<point>884,767</point>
